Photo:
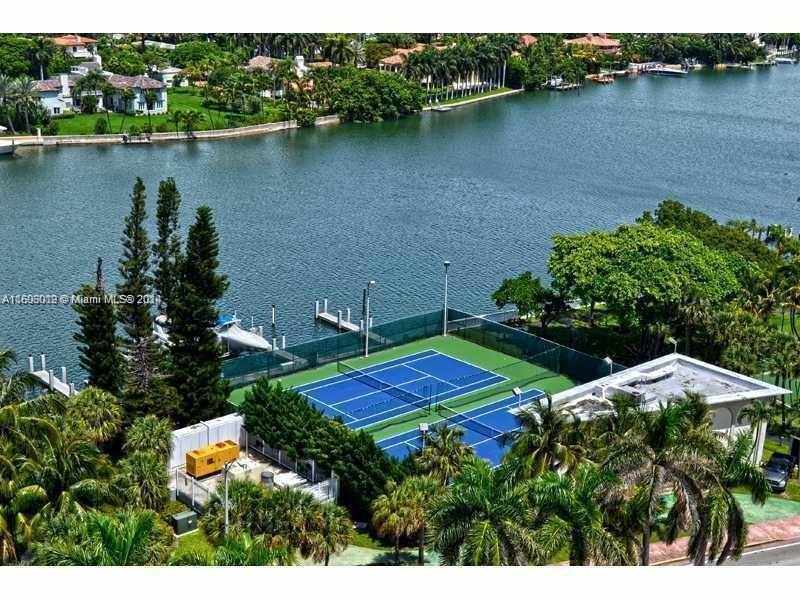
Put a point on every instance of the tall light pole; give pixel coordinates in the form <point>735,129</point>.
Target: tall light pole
<point>225,469</point>
<point>366,318</point>
<point>444,315</point>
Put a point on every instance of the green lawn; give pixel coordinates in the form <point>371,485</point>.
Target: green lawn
<point>518,373</point>
<point>177,99</point>
<point>472,96</point>
<point>193,542</point>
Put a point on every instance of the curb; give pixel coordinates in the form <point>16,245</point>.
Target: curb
<point>669,561</point>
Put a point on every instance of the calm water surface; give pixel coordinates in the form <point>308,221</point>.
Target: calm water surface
<point>308,214</point>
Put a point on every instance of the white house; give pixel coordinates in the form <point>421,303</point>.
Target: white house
<point>167,76</point>
<point>139,85</point>
<point>57,94</point>
<point>671,376</point>
<point>76,45</point>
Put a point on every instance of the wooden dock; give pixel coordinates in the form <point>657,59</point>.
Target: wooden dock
<point>341,321</point>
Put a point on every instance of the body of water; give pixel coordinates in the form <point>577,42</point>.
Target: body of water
<point>317,213</point>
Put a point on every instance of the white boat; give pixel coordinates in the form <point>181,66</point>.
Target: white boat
<point>6,147</point>
<point>784,60</point>
<point>439,108</point>
<point>229,332</point>
<point>236,339</point>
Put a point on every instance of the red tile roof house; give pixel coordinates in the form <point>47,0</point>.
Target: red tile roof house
<point>57,94</point>
<point>76,45</point>
<point>606,45</point>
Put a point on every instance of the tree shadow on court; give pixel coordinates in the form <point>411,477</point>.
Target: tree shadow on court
<point>407,558</point>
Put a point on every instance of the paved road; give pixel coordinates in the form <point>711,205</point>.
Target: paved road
<point>785,553</point>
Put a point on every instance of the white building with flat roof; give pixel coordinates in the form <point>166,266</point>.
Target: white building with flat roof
<point>668,377</point>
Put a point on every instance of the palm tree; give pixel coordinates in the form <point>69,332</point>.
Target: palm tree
<point>92,82</point>
<point>14,385</point>
<point>573,510</point>
<point>97,539</point>
<point>95,412</point>
<point>339,49</point>
<point>666,451</point>
<point>484,518</point>
<point>444,453</point>
<point>727,520</point>
<point>191,119</point>
<point>7,100</point>
<point>149,433</point>
<point>128,96</point>
<point>176,119</point>
<point>757,414</point>
<point>19,505</point>
<point>150,99</point>
<point>331,532</point>
<point>420,492</point>
<point>143,478</point>
<point>25,96</point>
<point>549,439</point>
<point>42,52</point>
<point>244,550</point>
<point>390,515</point>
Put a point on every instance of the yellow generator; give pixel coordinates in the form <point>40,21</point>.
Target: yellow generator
<point>211,459</point>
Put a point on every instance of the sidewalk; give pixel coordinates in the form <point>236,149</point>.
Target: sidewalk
<point>759,533</point>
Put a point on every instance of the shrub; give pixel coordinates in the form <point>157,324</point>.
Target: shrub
<point>284,419</point>
<point>134,129</point>
<point>51,128</point>
<point>162,127</point>
<point>305,117</point>
<point>89,104</point>
<point>101,126</point>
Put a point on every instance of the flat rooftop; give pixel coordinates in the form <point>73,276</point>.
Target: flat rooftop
<point>664,378</point>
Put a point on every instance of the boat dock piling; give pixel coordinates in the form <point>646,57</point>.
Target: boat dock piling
<point>339,321</point>
<point>47,377</point>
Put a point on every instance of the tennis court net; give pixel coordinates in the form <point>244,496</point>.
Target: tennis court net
<point>457,418</point>
<point>373,382</point>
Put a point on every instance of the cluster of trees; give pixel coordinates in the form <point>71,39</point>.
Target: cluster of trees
<point>284,419</point>
<point>33,56</point>
<point>69,473</point>
<point>548,57</point>
<point>466,65</point>
<point>593,492</point>
<point>709,48</point>
<point>182,383</point>
<point>20,108</point>
<point>76,488</point>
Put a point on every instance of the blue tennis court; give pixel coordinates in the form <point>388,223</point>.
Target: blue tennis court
<point>366,396</point>
<point>484,429</point>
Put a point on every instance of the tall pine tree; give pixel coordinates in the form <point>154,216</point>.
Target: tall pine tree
<point>134,311</point>
<point>98,343</point>
<point>196,354</point>
<point>167,249</point>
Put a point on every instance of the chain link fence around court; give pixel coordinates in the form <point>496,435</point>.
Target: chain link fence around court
<point>486,330</point>
<point>490,333</point>
<point>246,369</point>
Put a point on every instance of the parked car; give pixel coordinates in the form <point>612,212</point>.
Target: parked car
<point>778,470</point>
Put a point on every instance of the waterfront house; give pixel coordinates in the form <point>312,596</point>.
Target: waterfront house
<point>394,63</point>
<point>77,46</point>
<point>58,94</point>
<point>605,44</point>
<point>55,93</point>
<point>168,76</point>
<point>140,85</point>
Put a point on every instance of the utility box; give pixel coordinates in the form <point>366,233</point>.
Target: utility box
<point>184,522</point>
<point>211,459</point>
<point>268,479</point>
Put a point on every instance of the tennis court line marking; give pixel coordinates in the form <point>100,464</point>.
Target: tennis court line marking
<point>455,389</point>
<point>376,391</point>
<point>442,420</point>
<point>386,368</point>
<point>315,402</point>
